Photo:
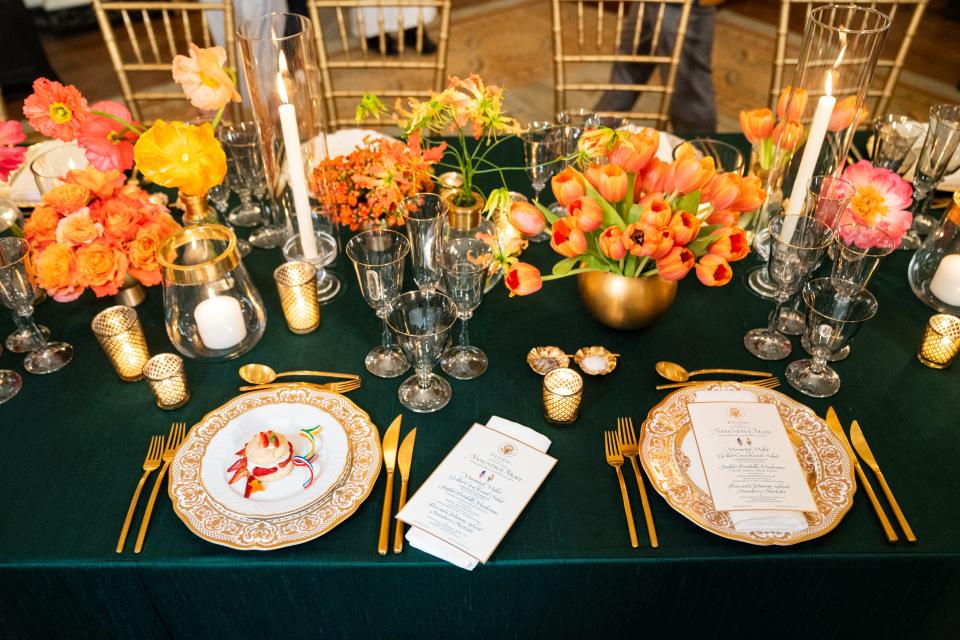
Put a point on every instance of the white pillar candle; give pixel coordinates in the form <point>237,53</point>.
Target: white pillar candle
<point>220,322</point>
<point>298,180</point>
<point>946,281</point>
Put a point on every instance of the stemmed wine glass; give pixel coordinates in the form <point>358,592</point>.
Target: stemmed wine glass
<point>17,292</point>
<point>422,322</point>
<point>726,157</point>
<point>465,262</point>
<point>541,148</point>
<point>837,308</point>
<point>378,257</point>
<point>241,143</point>
<point>424,214</point>
<point>219,197</point>
<point>893,138</point>
<point>797,242</point>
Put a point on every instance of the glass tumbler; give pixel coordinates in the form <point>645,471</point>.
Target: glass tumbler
<point>424,214</point>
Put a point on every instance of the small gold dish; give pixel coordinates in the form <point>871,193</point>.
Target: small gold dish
<point>595,361</point>
<point>543,360</point>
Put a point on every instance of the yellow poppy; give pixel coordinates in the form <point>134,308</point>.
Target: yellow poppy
<point>180,155</point>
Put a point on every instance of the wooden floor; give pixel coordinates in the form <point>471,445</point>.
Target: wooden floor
<point>508,42</point>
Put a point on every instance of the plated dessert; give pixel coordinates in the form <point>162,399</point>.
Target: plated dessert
<point>267,457</point>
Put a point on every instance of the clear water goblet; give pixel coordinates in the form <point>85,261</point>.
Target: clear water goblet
<point>219,197</point>
<point>378,257</point>
<point>17,292</point>
<point>422,321</point>
<point>609,122</point>
<point>424,214</point>
<point>329,284</point>
<point>542,147</point>
<point>465,262</point>
<point>726,157</point>
<point>893,138</point>
<point>936,156</point>
<point>241,142</point>
<point>11,225</point>
<point>798,242</point>
<point>837,309</point>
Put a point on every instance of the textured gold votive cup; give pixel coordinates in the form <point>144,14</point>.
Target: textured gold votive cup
<point>941,341</point>
<point>119,333</point>
<point>562,392</point>
<point>296,282</point>
<point>164,371</point>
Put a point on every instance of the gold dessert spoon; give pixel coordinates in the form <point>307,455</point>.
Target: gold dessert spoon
<point>262,374</point>
<point>675,373</point>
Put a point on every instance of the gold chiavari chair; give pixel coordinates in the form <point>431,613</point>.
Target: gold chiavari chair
<point>350,67</point>
<point>598,39</point>
<point>155,31</point>
<point>902,31</point>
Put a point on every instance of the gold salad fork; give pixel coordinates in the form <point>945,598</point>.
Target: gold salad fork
<point>336,387</point>
<point>174,439</point>
<point>615,460</point>
<point>767,383</point>
<point>627,439</point>
<point>150,463</point>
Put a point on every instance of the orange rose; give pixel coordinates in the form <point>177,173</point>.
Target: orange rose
<point>587,214</point>
<point>787,134</point>
<point>676,264</point>
<point>713,271</point>
<point>756,124</point>
<point>78,229</point>
<point>798,103</point>
<point>523,279</point>
<point>101,267</point>
<point>67,198</point>
<point>568,185</point>
<point>120,218</point>
<point>56,272</point>
<point>142,254</point>
<point>40,228</point>
<point>102,184</point>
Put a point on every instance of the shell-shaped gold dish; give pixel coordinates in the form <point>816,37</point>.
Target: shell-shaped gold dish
<point>595,361</point>
<point>543,360</point>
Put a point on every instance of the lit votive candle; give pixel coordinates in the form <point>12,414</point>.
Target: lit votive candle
<point>220,322</point>
<point>941,341</point>
<point>118,331</point>
<point>946,281</point>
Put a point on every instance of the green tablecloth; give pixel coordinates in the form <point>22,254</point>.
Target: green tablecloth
<point>73,442</point>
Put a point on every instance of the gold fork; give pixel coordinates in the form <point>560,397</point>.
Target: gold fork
<point>336,387</point>
<point>615,460</point>
<point>150,463</point>
<point>767,383</point>
<point>174,440</point>
<point>627,440</point>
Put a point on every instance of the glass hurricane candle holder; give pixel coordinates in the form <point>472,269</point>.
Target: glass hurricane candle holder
<point>211,307</point>
<point>119,333</point>
<point>164,372</point>
<point>296,284</point>
<point>941,341</point>
<point>934,271</point>
<point>562,392</point>
<point>49,167</point>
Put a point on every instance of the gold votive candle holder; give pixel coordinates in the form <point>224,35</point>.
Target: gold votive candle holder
<point>164,371</point>
<point>562,392</point>
<point>297,284</point>
<point>119,333</point>
<point>941,341</point>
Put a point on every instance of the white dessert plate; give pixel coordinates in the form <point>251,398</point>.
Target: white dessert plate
<point>345,141</point>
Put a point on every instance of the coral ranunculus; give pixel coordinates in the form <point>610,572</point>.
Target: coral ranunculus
<point>611,243</point>
<point>56,110</point>
<point>714,271</point>
<point>882,199</point>
<point>731,244</point>
<point>527,218</point>
<point>183,156</point>
<point>568,185</point>
<point>645,240</point>
<point>633,151</point>
<point>787,134</point>
<point>41,227</point>
<point>55,267</point>
<point>101,267</point>
<point>587,213</point>
<point>756,124</point>
<point>205,82</point>
<point>78,229</point>
<point>523,279</point>
<point>102,184</point>
<point>676,264</point>
<point>108,144</point>
<point>67,198</point>
<point>798,104</point>
<point>610,180</point>
<point>567,239</point>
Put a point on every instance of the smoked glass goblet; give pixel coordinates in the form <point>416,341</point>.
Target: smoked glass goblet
<point>465,262</point>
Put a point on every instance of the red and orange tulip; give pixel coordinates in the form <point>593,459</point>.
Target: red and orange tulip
<point>676,264</point>
<point>568,185</point>
<point>690,174</point>
<point>844,112</point>
<point>797,106</point>
<point>587,213</point>
<point>656,210</point>
<point>787,134</point>
<point>633,151</point>
<point>731,244</point>
<point>651,179</point>
<point>523,279</point>
<point>645,240</point>
<point>756,124</point>
<point>714,271</point>
<point>568,240</point>
<point>611,243</point>
<point>609,179</point>
<point>685,227</point>
<point>527,218</point>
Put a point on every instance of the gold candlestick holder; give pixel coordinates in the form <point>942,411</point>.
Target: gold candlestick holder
<point>167,380</point>
<point>941,341</point>
<point>119,333</point>
<point>297,286</point>
<point>562,392</point>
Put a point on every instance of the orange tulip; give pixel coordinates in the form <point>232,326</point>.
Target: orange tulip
<point>751,194</point>
<point>685,226</point>
<point>566,239</point>
<point>713,271</point>
<point>722,191</point>
<point>724,217</point>
<point>596,143</point>
<point>676,264</point>
<point>610,180</point>
<point>633,151</point>
<point>843,114</point>
<point>652,178</point>
<point>523,279</point>
<point>587,214</point>
<point>731,244</point>
<point>527,218</point>
<point>645,240</point>
<point>689,174</point>
<point>656,210</point>
<point>787,134</point>
<point>798,104</point>
<point>568,185</point>
<point>756,124</point>
<point>611,243</point>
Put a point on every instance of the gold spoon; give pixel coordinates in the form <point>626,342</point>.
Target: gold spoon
<point>262,374</point>
<point>675,373</point>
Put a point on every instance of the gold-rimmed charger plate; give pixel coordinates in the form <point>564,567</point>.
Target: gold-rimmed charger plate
<point>213,522</point>
<point>822,457</point>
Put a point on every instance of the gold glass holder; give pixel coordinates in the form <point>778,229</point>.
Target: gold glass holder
<point>562,392</point>
<point>941,341</point>
<point>119,333</point>
<point>297,286</point>
<point>167,380</point>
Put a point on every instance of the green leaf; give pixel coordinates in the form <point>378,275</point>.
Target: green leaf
<point>564,267</point>
<point>631,266</point>
<point>634,213</point>
<point>610,215</point>
<point>699,246</point>
<point>689,203</point>
<point>549,215</point>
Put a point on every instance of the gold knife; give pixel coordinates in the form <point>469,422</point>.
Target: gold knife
<point>404,459</point>
<point>860,444</point>
<point>834,423</point>
<point>389,460</point>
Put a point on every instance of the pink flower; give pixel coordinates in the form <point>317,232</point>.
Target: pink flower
<point>56,110</point>
<point>882,199</point>
<point>11,133</point>
<point>108,143</point>
<point>204,80</point>
<point>11,156</point>
<point>527,218</point>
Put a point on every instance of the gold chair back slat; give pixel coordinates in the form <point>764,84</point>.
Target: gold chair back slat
<point>349,64</point>
<point>141,81</point>
<point>573,73</point>
<point>903,30</point>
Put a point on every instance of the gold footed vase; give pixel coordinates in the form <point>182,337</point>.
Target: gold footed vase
<point>625,303</point>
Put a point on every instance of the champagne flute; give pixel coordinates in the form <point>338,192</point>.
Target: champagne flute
<point>424,214</point>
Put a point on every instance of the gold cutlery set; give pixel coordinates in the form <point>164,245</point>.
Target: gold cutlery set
<point>260,376</point>
<point>392,461</point>
<point>160,450</point>
<point>617,444</point>
<point>680,377</point>
<point>863,449</point>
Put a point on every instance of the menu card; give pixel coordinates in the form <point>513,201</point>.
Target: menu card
<point>473,497</point>
<point>747,457</point>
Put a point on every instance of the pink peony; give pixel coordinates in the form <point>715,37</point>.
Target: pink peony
<point>882,199</point>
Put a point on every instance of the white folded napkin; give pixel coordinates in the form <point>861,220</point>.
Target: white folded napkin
<point>428,543</point>
<point>760,519</point>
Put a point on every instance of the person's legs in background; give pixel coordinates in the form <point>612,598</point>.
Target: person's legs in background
<point>631,72</point>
